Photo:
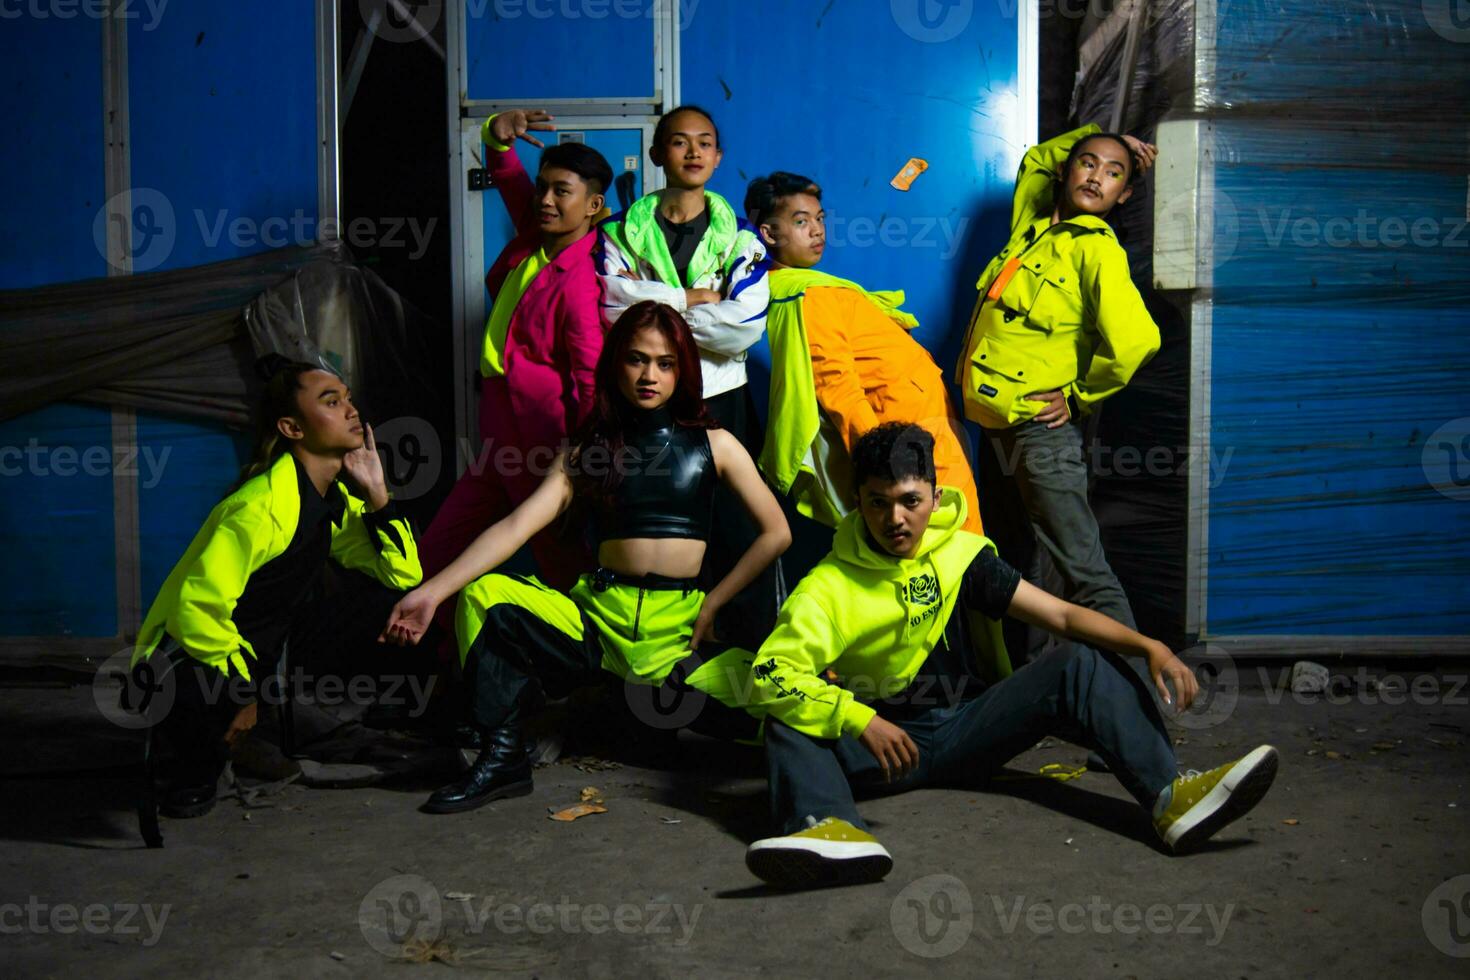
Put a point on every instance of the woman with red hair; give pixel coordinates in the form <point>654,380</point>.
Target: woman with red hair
<point>645,464</point>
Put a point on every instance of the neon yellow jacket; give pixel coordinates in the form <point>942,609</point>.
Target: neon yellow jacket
<point>872,618</point>
<point>243,532</point>
<point>1070,318</point>
<point>799,453</point>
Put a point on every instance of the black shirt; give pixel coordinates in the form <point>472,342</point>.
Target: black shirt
<point>989,584</point>
<point>683,238</point>
<point>264,610</point>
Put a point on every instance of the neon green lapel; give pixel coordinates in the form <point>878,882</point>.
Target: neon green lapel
<point>793,419</point>
<point>645,239</point>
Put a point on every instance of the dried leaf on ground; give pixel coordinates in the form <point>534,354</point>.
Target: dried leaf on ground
<point>421,951</point>
<point>580,810</point>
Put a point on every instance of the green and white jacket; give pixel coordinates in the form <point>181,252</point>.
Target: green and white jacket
<point>634,261</point>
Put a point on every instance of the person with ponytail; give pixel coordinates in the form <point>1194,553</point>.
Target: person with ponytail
<point>646,465</point>
<point>218,623</point>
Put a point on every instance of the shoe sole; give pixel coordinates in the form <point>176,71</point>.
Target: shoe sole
<point>1232,798</point>
<point>474,803</point>
<point>799,867</point>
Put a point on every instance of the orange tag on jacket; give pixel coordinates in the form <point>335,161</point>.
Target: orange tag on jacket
<point>1007,272</point>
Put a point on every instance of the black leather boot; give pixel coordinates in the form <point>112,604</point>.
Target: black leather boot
<point>185,801</point>
<point>502,770</point>
<point>188,788</point>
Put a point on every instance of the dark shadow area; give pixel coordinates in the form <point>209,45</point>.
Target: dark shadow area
<point>91,810</point>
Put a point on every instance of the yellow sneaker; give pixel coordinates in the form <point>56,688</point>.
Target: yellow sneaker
<point>832,852</point>
<point>1201,803</point>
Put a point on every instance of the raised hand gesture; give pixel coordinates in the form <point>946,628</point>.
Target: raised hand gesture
<point>366,469</point>
<point>518,123</point>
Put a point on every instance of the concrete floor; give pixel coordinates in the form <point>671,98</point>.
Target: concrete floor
<point>1342,870</point>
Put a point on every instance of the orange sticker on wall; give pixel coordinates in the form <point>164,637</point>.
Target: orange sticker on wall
<point>904,179</point>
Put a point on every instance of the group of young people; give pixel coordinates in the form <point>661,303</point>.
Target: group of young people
<point>616,350</point>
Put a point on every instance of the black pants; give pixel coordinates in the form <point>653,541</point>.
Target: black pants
<point>332,635</point>
<point>191,706</point>
<point>748,618</point>
<point>518,655</point>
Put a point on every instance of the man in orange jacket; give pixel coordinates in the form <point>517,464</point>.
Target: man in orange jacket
<point>842,363</point>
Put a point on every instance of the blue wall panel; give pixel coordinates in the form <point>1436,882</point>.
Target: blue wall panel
<point>56,510</point>
<point>224,135</point>
<point>51,154</point>
<point>224,151</point>
<point>185,469</point>
<point>1322,521</point>
<point>56,524</point>
<point>1338,350</point>
<point>1404,54</point>
<point>559,49</point>
<point>846,94</point>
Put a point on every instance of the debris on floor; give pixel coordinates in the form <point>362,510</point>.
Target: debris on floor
<point>1308,677</point>
<point>591,763</point>
<point>579,810</point>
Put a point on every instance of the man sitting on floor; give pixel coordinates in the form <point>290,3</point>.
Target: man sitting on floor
<point>905,611</point>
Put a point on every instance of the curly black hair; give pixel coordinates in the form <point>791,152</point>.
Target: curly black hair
<point>893,451</point>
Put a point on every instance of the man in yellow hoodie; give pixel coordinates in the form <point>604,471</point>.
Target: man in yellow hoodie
<point>905,612</point>
<point>842,362</point>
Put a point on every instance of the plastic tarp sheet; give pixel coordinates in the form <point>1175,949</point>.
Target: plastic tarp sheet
<point>182,342</point>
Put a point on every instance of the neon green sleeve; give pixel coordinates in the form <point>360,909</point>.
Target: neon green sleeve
<point>786,675</point>
<point>1036,176</point>
<point>203,618</point>
<point>379,544</point>
<point>1126,335</point>
<point>487,135</point>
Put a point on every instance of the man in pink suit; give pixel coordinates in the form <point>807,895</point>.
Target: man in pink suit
<point>541,342</point>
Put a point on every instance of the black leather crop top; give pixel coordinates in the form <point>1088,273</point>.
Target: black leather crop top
<point>667,485</point>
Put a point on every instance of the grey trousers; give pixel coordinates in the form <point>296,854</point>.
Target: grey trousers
<point>1050,474</point>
